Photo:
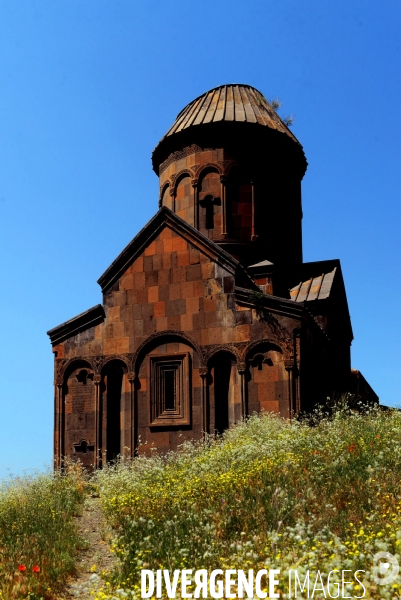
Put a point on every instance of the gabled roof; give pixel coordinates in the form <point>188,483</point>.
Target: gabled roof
<point>315,288</point>
<point>322,290</point>
<point>165,217</point>
<point>277,305</point>
<point>262,263</point>
<point>81,322</point>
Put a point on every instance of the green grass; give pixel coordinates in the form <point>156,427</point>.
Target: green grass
<point>38,538</point>
<point>268,494</point>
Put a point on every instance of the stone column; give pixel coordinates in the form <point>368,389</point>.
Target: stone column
<point>289,367</point>
<point>203,372</point>
<point>58,424</point>
<point>132,441</point>
<point>97,382</point>
<point>196,203</point>
<point>242,373</point>
<point>223,181</point>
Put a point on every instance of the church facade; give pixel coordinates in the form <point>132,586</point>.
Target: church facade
<point>209,314</point>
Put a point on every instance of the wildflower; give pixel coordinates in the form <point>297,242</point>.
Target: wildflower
<point>35,569</point>
<point>21,568</point>
<point>351,448</point>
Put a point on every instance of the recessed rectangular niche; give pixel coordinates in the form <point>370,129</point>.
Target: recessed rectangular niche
<point>169,390</point>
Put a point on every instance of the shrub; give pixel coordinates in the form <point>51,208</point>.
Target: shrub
<point>38,537</point>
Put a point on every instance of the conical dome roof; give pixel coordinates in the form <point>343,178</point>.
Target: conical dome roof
<point>237,102</point>
<point>218,108</point>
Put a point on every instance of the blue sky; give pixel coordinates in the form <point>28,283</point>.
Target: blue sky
<point>87,90</point>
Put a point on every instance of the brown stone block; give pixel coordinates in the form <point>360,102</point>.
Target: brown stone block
<point>113,314</point>
<point>129,329</point>
<point>174,322</point>
<point>167,246</point>
<point>137,265</point>
<point>118,329</point>
<point>210,319</point>
<point>199,288</point>
<point>271,406</point>
<point>165,234</point>
<point>163,277</point>
<point>116,345</point>
<point>127,282</point>
<point>139,340</point>
<point>227,334</point>
<point>159,309</point>
<point>159,248</point>
<point>199,320</point>
<point>138,327</point>
<point>119,298</point>
<point>149,327</point>
<point>215,336</point>
<point>137,311</point>
<point>179,274</point>
<point>167,261</point>
<point>132,297</point>
<point>164,291</point>
<point>209,304</point>
<point>151,249</point>
<point>204,336</point>
<point>151,278</point>
<point>148,263</point>
<point>179,244</point>
<point>142,296</point>
<point>193,272</point>
<point>182,214</point>
<point>243,333</point>
<point>108,330</point>
<point>192,304</point>
<point>157,260</point>
<point>139,280</point>
<point>98,332</point>
<point>194,257</point>
<point>175,307</point>
<point>174,291</point>
<point>174,260</point>
<point>187,289</point>
<point>186,322</point>
<point>161,324</point>
<point>153,293</point>
<point>207,270</point>
<point>147,311</point>
<point>196,335</point>
<point>183,258</point>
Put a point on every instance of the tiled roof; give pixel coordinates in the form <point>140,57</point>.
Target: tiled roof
<point>316,288</point>
<point>236,102</point>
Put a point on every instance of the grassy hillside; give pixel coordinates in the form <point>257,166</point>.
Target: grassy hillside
<point>38,538</point>
<point>321,495</point>
<point>269,494</point>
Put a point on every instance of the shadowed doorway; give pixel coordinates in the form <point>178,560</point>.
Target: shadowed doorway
<point>221,365</point>
<point>112,388</point>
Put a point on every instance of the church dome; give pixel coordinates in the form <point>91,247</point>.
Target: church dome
<point>220,108</point>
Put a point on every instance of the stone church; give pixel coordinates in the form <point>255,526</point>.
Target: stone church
<point>209,314</point>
